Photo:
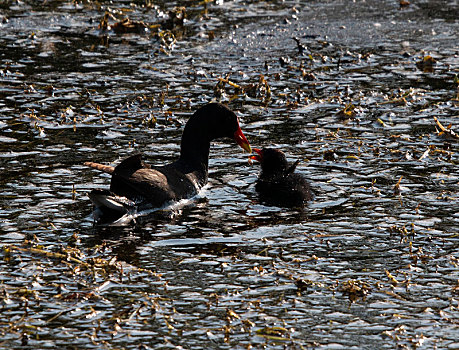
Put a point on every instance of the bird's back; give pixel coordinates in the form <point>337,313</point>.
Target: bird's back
<point>291,190</point>
<point>156,185</point>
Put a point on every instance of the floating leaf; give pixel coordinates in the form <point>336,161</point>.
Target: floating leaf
<point>274,333</point>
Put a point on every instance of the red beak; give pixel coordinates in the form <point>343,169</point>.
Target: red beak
<point>242,141</point>
<point>257,156</point>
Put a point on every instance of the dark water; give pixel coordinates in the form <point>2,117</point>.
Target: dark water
<point>367,265</point>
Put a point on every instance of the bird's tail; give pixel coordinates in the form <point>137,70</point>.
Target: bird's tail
<point>105,168</point>
<point>110,201</point>
<point>108,207</point>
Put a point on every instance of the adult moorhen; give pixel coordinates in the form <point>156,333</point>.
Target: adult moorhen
<point>136,184</point>
<point>278,184</point>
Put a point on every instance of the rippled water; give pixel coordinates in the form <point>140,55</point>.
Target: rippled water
<point>371,263</point>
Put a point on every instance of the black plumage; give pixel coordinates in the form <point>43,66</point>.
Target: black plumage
<point>278,184</point>
<point>135,183</point>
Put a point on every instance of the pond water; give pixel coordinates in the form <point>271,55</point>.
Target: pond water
<point>371,263</point>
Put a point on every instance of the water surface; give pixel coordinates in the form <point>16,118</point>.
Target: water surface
<point>369,264</point>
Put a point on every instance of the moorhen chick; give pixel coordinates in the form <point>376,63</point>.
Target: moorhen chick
<point>135,184</point>
<point>278,184</point>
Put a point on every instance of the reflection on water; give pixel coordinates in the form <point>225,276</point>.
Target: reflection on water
<point>371,263</point>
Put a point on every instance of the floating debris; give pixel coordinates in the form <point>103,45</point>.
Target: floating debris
<point>354,289</point>
<point>397,189</point>
<point>301,48</point>
<point>392,279</point>
<point>447,132</point>
<point>176,18</point>
<point>274,333</point>
<point>348,112</point>
<point>259,90</point>
<point>426,64</point>
<point>129,26</point>
<point>404,3</point>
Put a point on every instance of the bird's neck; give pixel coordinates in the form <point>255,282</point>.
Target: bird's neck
<point>194,150</point>
<point>194,158</point>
